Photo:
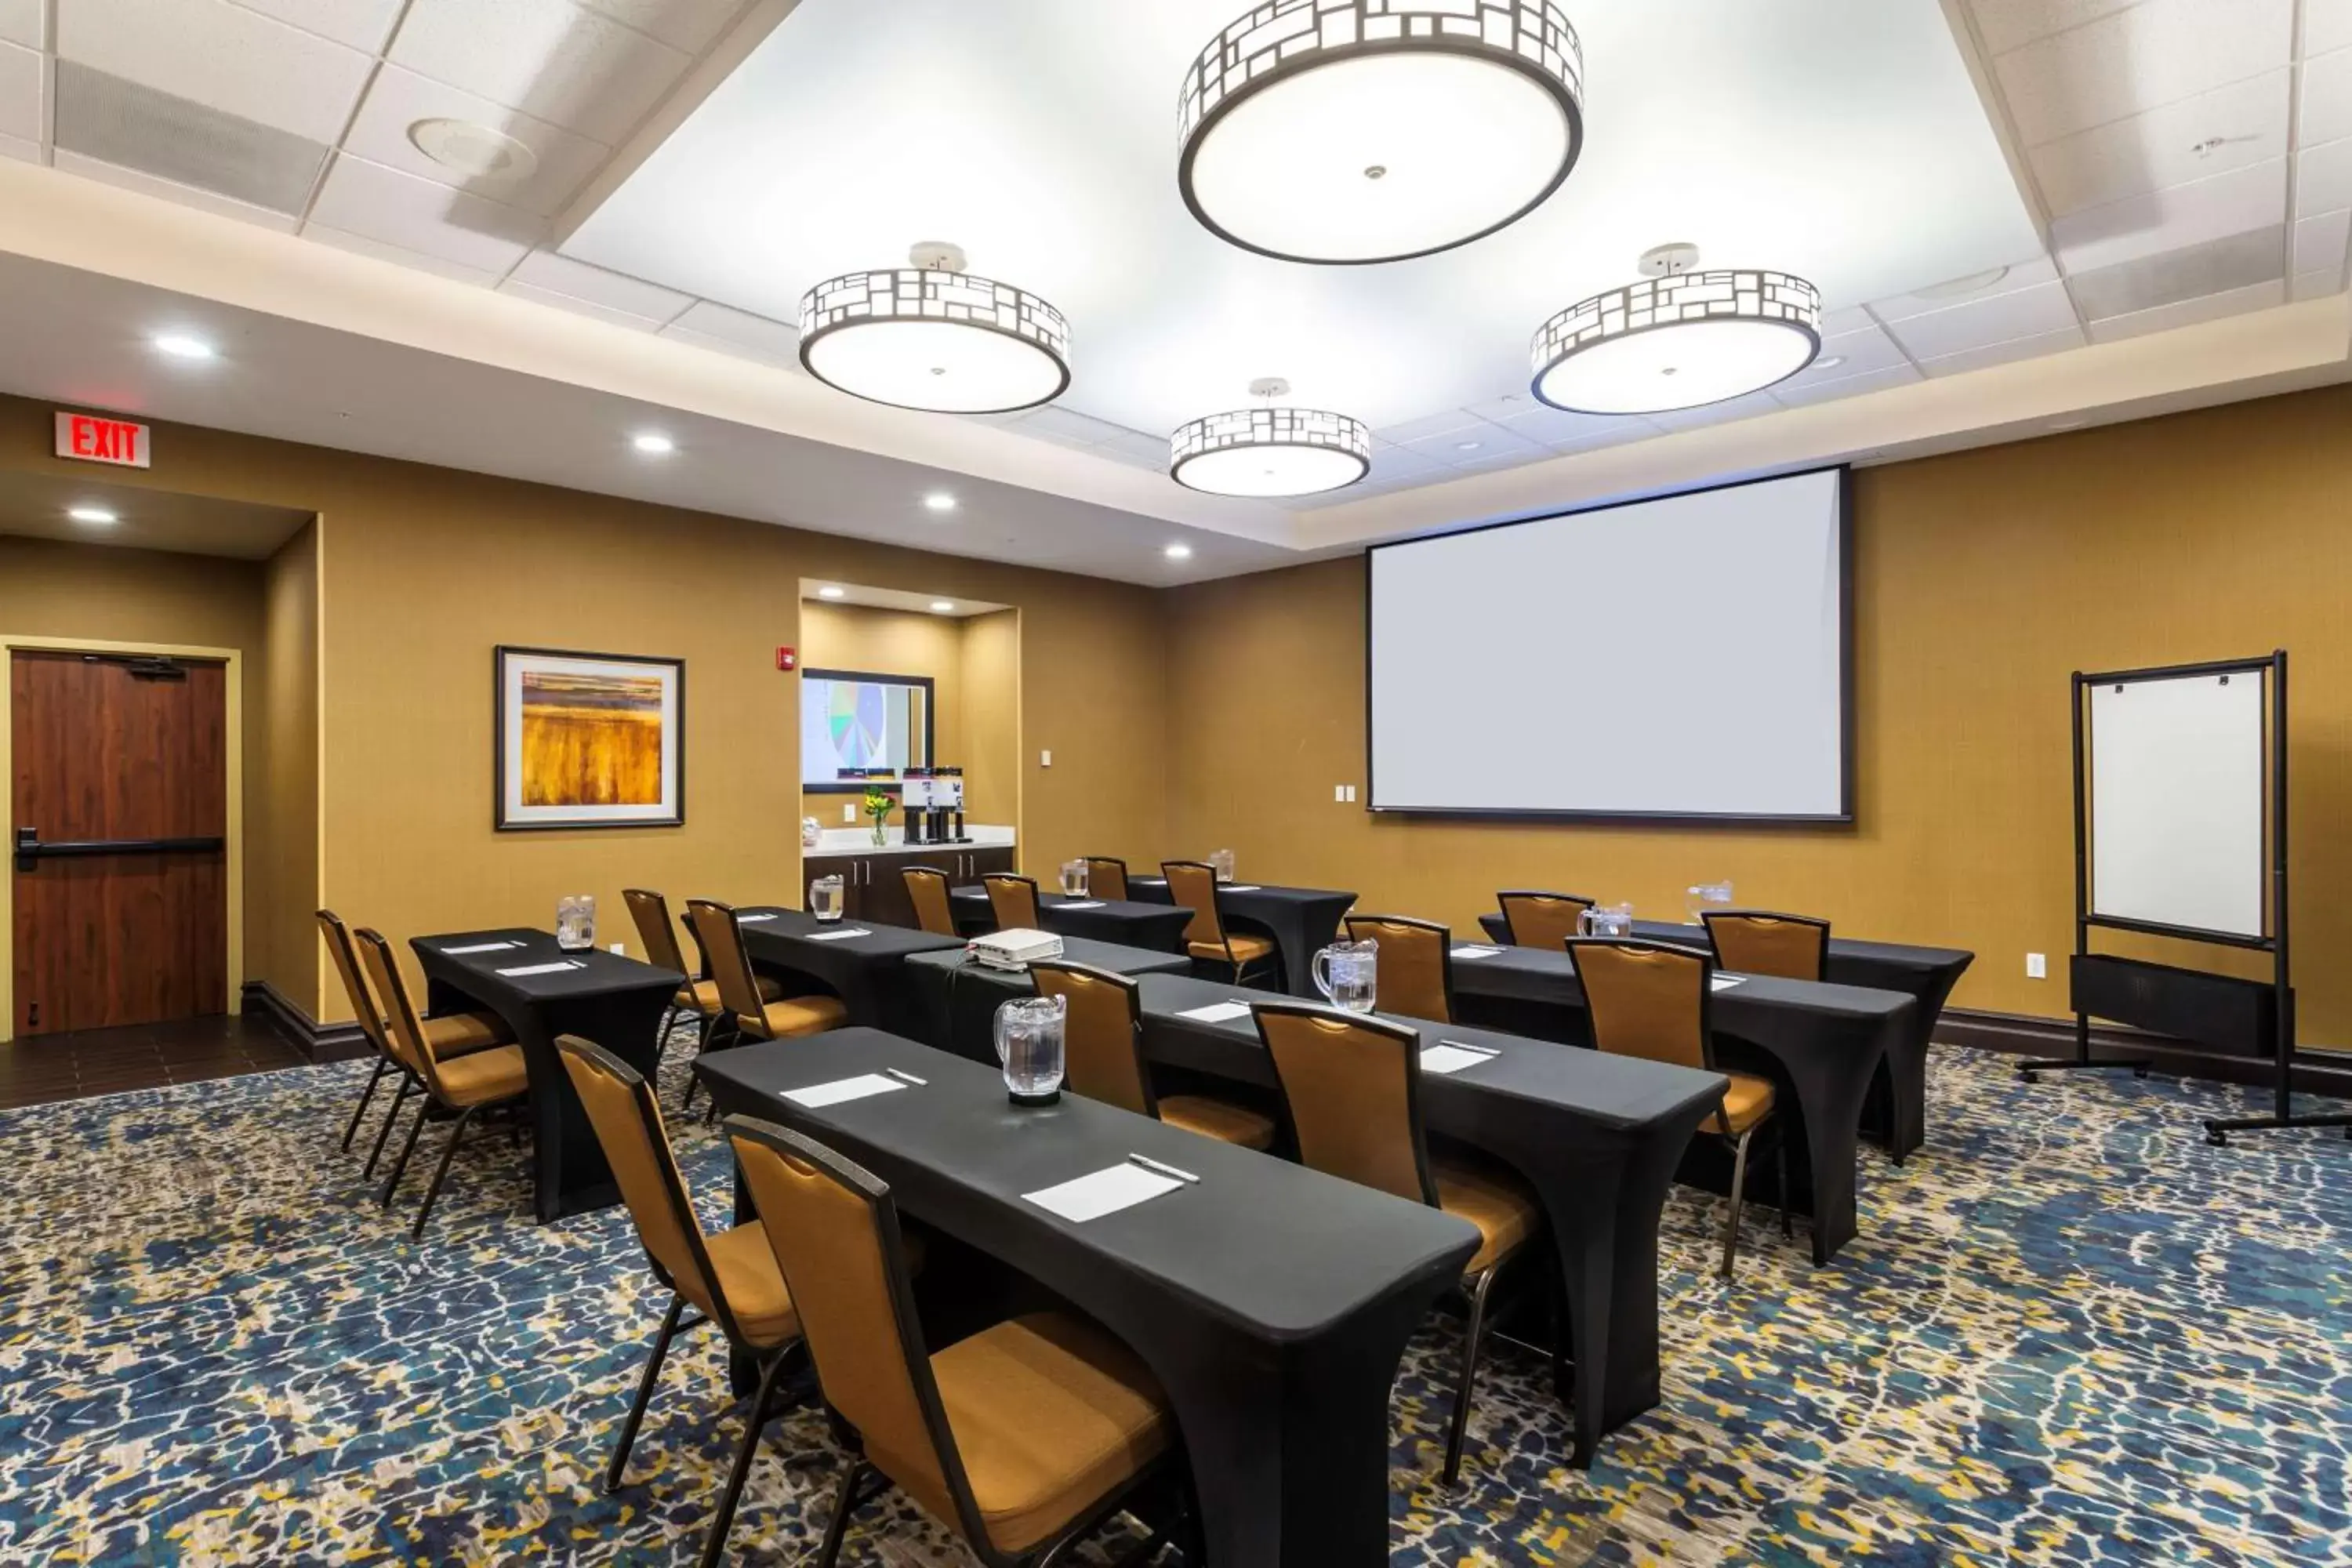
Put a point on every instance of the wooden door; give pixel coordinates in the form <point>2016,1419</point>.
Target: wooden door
<point>118,839</point>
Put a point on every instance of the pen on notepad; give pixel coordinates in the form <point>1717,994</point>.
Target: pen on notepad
<point>1150,1164</point>
<point>908,1077</point>
<point>1474,1051</point>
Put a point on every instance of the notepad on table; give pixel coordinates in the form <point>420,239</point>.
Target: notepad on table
<point>1452,1055</point>
<point>1107,1191</point>
<point>1726,982</point>
<point>481,947</point>
<point>1476,952</point>
<point>1217,1013</point>
<point>838,935</point>
<point>1237,887</point>
<point>747,920</point>
<point>1081,904</point>
<point>518,974</point>
<point>817,1095</point>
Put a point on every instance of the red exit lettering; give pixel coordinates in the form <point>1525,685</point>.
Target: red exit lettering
<point>93,438</point>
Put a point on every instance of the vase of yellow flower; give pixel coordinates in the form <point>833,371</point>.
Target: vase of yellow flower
<point>880,806</point>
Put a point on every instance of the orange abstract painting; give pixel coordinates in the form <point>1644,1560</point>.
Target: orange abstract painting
<point>591,739</point>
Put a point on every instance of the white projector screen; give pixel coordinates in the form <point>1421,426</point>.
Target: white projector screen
<point>2176,793</point>
<point>1683,658</point>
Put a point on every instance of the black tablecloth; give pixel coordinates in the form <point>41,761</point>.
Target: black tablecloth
<point>1819,1043</point>
<point>1152,925</point>
<point>1598,1138</point>
<point>617,1002</point>
<point>1896,1113</point>
<point>1301,920</point>
<point>867,973</point>
<point>958,998</point>
<point>1272,1303</point>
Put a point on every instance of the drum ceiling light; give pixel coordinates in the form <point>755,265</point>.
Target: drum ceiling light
<point>1270,451</point>
<point>1681,339</point>
<point>1348,132</point>
<point>929,335</point>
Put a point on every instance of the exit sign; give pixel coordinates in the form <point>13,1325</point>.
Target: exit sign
<point>93,438</point>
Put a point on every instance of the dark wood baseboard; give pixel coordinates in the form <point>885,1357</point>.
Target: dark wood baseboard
<point>2022,1036</point>
<point>320,1042</point>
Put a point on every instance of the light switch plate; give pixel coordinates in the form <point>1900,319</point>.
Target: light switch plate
<point>1045,758</point>
<point>848,811</point>
<point>2037,967</point>
<point>1339,792</point>
<point>1351,794</point>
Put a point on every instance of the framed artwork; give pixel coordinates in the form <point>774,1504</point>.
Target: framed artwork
<point>590,739</point>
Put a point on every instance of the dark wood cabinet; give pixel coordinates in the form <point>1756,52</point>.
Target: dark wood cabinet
<point>873,890</point>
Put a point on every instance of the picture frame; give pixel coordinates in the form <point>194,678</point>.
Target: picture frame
<point>587,740</point>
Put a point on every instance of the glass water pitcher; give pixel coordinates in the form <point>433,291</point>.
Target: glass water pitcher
<point>1348,974</point>
<point>1029,1044</point>
<point>1221,862</point>
<point>1074,878</point>
<point>1702,897</point>
<point>1606,920</point>
<point>575,924</point>
<point>825,898</point>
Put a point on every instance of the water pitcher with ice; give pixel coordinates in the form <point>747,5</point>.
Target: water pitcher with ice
<point>826,898</point>
<point>1348,974</point>
<point>1029,1044</point>
<point>1611,921</point>
<point>575,924</point>
<point>1074,878</point>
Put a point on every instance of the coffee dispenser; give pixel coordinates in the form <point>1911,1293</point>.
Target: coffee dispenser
<point>946,805</point>
<point>915,796</point>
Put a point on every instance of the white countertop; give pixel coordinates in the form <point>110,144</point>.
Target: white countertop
<point>860,841</point>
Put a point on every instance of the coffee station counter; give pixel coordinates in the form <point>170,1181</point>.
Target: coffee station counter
<point>871,887</point>
<point>860,841</point>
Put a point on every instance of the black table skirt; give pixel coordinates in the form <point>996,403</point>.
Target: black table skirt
<point>1301,922</point>
<point>867,973</point>
<point>1597,1137</point>
<point>617,1002</point>
<point>1895,1114</point>
<point>1272,1303</point>
<point>958,998</point>
<point>1157,926</point>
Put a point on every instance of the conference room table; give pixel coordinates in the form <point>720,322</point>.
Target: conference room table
<point>1300,920</point>
<point>1597,1137</point>
<point>1897,1107</point>
<point>540,992</point>
<point>859,961</point>
<point>1272,1303</point>
<point>1821,1044</point>
<point>958,996</point>
<point>1125,921</point>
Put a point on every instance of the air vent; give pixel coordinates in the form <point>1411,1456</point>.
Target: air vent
<point>2217,267</point>
<point>133,127</point>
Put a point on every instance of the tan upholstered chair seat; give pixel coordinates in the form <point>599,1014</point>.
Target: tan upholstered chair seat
<point>1247,948</point>
<point>480,1077</point>
<point>457,1034</point>
<point>702,995</point>
<point>1506,1213</point>
<point>1049,1413</point>
<point>1748,1102</point>
<point>753,1285</point>
<point>803,1015</point>
<point>1218,1119</point>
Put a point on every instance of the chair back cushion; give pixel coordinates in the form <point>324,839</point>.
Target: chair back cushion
<point>1100,1037</point>
<point>403,1031</point>
<point>1416,964</point>
<point>1353,1086</point>
<point>1646,998</point>
<point>347,965</point>
<point>1541,920</point>
<point>1106,877</point>
<point>721,941</point>
<point>1194,886</point>
<point>1794,947</point>
<point>927,889</point>
<point>651,911</point>
<point>1013,899</point>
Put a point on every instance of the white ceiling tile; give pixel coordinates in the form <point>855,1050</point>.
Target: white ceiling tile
<point>2173,219</point>
<point>221,55</point>
<point>1443,424</point>
<point>15,147</point>
<point>376,203</point>
<point>2323,177</point>
<point>1855,353</point>
<point>2319,242</point>
<point>1471,447</point>
<point>2003,353</point>
<point>1746,408</point>
<point>1511,458</point>
<point>1557,426</point>
<point>21,22</point>
<point>688,25</point>
<point>170,191</point>
<point>397,99</point>
<point>633,297</point>
<point>1509,406</point>
<point>2148,152</point>
<point>1620,430</point>
<point>360,245</point>
<point>2028,274</point>
<point>2326,24</point>
<point>2137,58</point>
<point>570,67</point>
<point>1792,396</point>
<point>1402,463</point>
<point>361,24</point>
<point>1136,446</point>
<point>1981,322</point>
<point>2004,25</point>
<point>1852,319</point>
<point>2189,313</point>
<point>738,332</point>
<point>1069,427</point>
<point>2327,98</point>
<point>21,73</point>
<point>2317,285</point>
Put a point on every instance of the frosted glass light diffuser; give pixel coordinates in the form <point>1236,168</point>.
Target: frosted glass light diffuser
<point>934,339</point>
<point>1678,342</point>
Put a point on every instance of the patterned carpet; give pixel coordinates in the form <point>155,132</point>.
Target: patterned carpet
<point>2070,1333</point>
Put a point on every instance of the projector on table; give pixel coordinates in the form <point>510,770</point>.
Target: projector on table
<point>1016,948</point>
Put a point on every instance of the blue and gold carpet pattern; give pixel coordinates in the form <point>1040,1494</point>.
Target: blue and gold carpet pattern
<point>2070,1333</point>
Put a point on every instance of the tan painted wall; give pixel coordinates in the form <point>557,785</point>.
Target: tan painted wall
<point>282,886</point>
<point>1982,580</point>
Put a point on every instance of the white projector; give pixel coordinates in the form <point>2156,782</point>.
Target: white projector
<point>1015,949</point>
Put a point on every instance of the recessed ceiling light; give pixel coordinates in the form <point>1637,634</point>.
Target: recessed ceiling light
<point>1972,283</point>
<point>1703,337</point>
<point>1467,446</point>
<point>179,345</point>
<point>96,515</point>
<point>829,593</point>
<point>1832,363</point>
<point>473,150</point>
<point>939,501</point>
<point>928,335</point>
<point>1178,552</point>
<point>942,605</point>
<point>653,444</point>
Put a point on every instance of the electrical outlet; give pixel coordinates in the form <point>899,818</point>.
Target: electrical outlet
<point>1351,794</point>
<point>1338,792</point>
<point>848,811</point>
<point>620,950</point>
<point>2037,967</point>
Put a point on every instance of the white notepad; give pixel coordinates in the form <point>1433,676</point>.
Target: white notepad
<point>1726,982</point>
<point>483,947</point>
<point>1447,1057</point>
<point>747,920</point>
<point>1476,952</point>
<point>1107,1191</point>
<point>539,969</point>
<point>817,1095</point>
<point>1085,904</point>
<point>1237,887</point>
<point>838,935</point>
<point>1217,1013</point>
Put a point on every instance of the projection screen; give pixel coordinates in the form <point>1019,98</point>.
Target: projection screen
<point>1684,657</point>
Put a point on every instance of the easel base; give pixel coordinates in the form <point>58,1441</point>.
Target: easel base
<point>2217,1133</point>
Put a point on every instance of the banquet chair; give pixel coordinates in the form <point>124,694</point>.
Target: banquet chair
<point>1023,1439</point>
<point>730,1278</point>
<point>453,1035</point>
<point>1103,1036</point>
<point>927,890</point>
<point>1013,899</point>
<point>696,997</point>
<point>467,1084</point>
<point>1415,967</point>
<point>1193,885</point>
<point>750,1009</point>
<point>1651,999</point>
<point>1106,877</point>
<point>1541,920</point>
<point>1352,1086</point>
<point>1751,941</point>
